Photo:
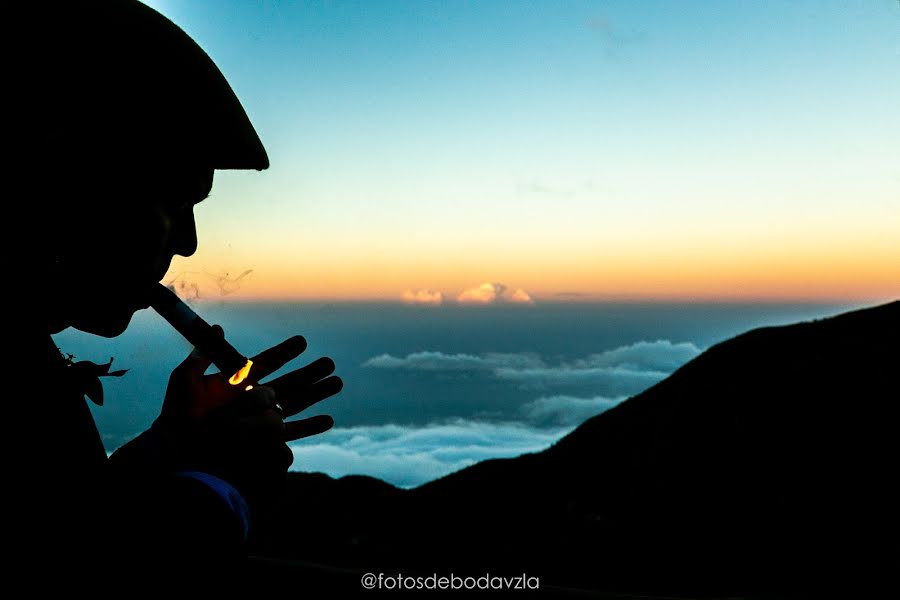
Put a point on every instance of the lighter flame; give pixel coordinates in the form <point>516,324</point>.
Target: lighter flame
<point>241,375</point>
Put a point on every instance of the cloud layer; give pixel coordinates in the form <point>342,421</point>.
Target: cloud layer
<point>541,392</point>
<point>621,371</point>
<point>438,361</point>
<point>520,296</point>
<point>567,410</point>
<point>423,297</point>
<point>486,293</point>
<point>493,293</point>
<point>660,355</point>
<point>409,456</point>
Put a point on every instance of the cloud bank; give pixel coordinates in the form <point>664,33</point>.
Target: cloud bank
<point>423,297</point>
<point>520,296</point>
<point>567,410</point>
<point>438,361</point>
<point>609,380</point>
<point>553,396</point>
<point>660,355</point>
<point>642,362</point>
<point>486,293</point>
<point>493,293</point>
<point>409,456</point>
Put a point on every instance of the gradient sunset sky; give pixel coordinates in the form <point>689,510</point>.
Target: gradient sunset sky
<point>568,150</point>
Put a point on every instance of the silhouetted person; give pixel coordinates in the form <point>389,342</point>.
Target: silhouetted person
<point>121,121</point>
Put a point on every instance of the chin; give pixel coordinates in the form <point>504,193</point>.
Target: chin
<point>108,324</point>
<point>108,314</point>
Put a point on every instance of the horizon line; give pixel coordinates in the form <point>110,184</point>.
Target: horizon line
<point>555,300</point>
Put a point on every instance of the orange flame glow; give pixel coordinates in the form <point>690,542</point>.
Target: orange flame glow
<point>242,374</point>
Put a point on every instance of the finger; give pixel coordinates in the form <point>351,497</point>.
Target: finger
<point>267,362</point>
<point>294,430</point>
<point>291,404</point>
<point>304,376</point>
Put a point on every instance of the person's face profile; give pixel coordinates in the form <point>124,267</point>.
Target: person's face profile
<point>128,241</point>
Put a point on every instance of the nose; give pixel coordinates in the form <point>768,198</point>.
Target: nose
<point>185,234</point>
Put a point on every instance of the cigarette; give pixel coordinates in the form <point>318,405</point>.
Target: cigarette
<point>200,333</point>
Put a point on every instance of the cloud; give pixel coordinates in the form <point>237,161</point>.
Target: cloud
<point>493,293</point>
<point>660,355</point>
<point>567,410</point>
<point>438,361</point>
<point>423,297</point>
<point>520,296</point>
<point>608,380</point>
<point>486,293</point>
<point>622,371</point>
<point>655,358</point>
<point>408,456</point>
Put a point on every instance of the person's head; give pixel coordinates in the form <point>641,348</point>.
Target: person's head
<point>131,118</point>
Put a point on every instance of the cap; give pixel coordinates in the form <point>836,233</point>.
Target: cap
<point>114,82</point>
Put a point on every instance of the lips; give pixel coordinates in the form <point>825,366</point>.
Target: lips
<point>142,293</point>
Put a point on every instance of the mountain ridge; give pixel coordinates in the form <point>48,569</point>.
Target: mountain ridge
<point>759,464</point>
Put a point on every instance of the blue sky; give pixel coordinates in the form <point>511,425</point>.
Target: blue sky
<point>445,144</point>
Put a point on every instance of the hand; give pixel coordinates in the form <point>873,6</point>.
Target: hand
<point>239,434</point>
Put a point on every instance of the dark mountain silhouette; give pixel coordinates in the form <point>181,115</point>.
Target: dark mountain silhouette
<point>767,463</point>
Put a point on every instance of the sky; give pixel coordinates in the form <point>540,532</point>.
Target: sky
<point>484,152</point>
